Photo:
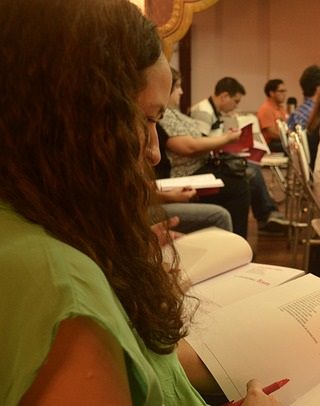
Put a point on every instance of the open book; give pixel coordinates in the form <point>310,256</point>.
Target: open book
<point>244,143</point>
<point>272,335</point>
<point>218,264</point>
<point>205,184</point>
<point>247,145</point>
<point>254,320</point>
<point>260,151</point>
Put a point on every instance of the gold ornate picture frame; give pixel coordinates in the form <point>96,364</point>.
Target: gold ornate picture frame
<point>180,20</point>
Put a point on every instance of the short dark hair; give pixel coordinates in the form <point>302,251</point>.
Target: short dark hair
<point>229,85</point>
<point>310,80</point>
<point>272,86</point>
<point>292,100</point>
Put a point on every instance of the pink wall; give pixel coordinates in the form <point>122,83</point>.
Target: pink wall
<point>254,40</point>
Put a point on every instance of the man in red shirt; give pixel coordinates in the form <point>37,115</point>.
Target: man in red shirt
<point>271,110</point>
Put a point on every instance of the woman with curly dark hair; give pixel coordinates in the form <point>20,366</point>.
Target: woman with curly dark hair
<point>88,313</point>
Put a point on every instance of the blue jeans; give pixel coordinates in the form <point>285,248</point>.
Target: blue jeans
<point>195,216</point>
<point>262,203</point>
<point>234,197</point>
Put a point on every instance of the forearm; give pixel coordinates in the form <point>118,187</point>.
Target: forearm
<point>177,195</point>
<point>189,146</point>
<point>197,372</point>
<point>164,197</point>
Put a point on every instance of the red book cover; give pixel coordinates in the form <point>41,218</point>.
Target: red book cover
<point>208,191</point>
<point>256,155</point>
<point>244,143</point>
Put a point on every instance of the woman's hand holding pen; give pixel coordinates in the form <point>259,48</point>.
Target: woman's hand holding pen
<point>256,396</point>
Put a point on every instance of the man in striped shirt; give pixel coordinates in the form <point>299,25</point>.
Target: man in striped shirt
<point>310,85</point>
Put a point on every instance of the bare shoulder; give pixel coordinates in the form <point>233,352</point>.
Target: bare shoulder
<point>85,364</point>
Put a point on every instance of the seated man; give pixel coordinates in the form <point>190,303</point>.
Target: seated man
<point>208,113</point>
<point>310,85</point>
<point>182,203</point>
<point>270,111</point>
<point>190,154</point>
<point>307,113</point>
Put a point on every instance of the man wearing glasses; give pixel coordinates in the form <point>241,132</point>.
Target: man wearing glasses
<point>270,111</point>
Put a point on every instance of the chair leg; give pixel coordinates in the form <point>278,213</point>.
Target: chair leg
<point>306,256</point>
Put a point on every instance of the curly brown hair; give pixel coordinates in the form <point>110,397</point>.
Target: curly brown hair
<point>70,73</point>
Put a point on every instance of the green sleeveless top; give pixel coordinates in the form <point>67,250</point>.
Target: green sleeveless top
<point>44,281</point>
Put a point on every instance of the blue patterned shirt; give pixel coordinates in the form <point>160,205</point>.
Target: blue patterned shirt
<point>301,114</point>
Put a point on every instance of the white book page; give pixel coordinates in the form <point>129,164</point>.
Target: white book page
<point>311,398</point>
<point>245,119</point>
<point>270,336</point>
<point>240,283</point>
<point>207,180</point>
<point>260,145</point>
<point>210,252</point>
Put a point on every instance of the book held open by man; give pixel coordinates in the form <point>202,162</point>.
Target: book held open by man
<point>252,144</point>
<point>205,183</point>
<point>254,320</point>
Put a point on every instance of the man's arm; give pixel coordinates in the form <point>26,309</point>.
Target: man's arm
<point>188,146</point>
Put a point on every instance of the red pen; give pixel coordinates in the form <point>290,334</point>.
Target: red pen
<point>267,390</point>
